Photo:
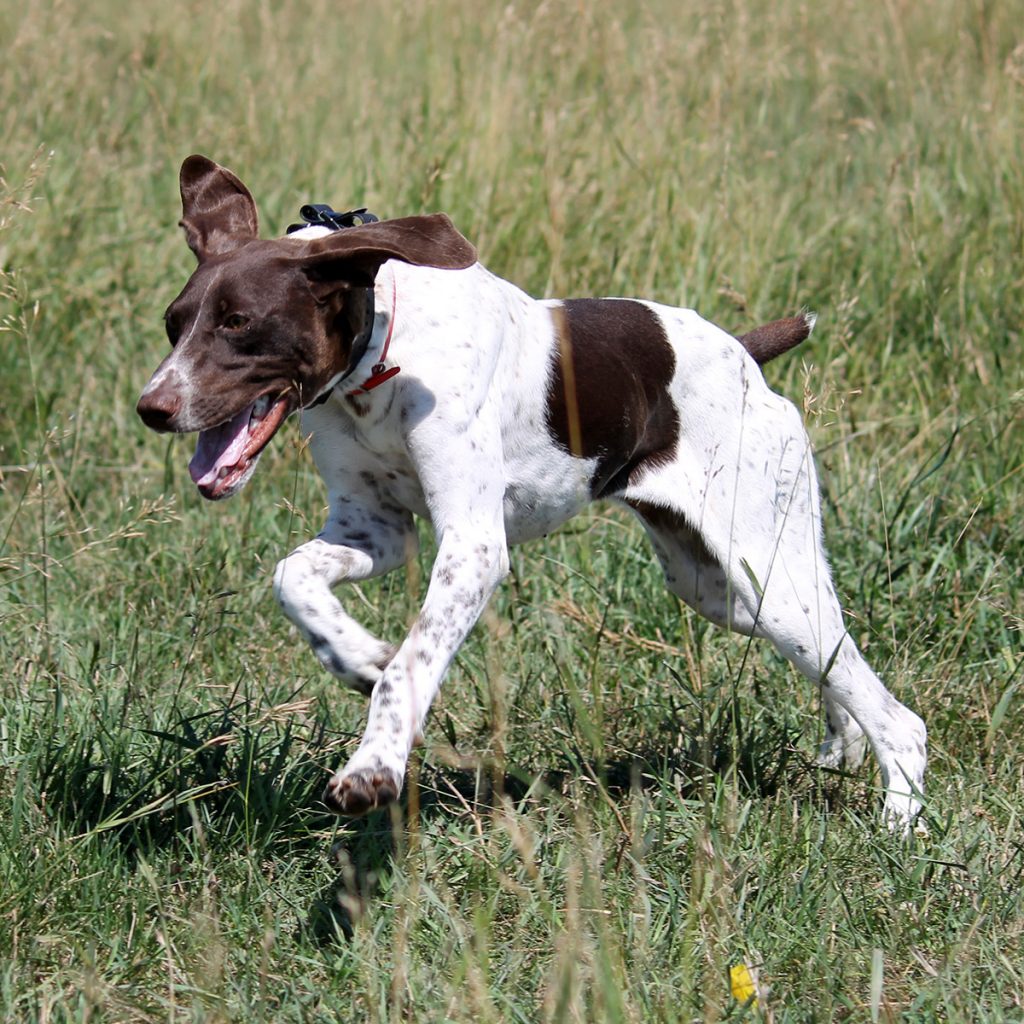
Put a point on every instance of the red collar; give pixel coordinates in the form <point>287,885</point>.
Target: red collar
<point>380,372</point>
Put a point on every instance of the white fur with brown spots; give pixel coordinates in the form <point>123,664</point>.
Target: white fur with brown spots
<point>508,417</point>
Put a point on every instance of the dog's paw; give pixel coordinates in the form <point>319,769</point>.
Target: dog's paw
<point>900,815</point>
<point>384,655</point>
<point>836,752</point>
<point>360,672</point>
<point>367,676</point>
<point>355,792</point>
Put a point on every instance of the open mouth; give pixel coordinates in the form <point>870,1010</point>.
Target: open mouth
<point>226,455</point>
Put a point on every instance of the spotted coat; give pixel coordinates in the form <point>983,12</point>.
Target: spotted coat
<point>509,416</point>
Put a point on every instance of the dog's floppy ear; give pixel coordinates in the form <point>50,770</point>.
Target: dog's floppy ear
<point>354,255</point>
<point>217,211</point>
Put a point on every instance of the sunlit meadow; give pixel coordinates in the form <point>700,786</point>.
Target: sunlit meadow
<point>616,803</point>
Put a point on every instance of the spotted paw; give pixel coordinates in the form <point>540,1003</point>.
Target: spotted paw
<point>359,672</point>
<point>354,793</point>
<point>900,814</point>
<point>835,753</point>
<point>365,677</point>
<point>385,655</point>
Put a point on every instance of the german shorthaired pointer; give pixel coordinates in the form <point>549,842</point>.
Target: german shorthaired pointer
<point>509,415</point>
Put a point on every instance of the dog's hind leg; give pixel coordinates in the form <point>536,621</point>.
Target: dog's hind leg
<point>356,544</point>
<point>792,601</point>
<point>694,575</point>
<point>748,554</point>
<point>762,597</point>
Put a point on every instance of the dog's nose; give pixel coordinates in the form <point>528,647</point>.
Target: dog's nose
<point>158,407</point>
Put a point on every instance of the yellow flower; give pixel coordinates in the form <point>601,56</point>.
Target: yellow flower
<point>744,983</point>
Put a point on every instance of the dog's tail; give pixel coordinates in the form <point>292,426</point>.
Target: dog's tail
<point>771,340</point>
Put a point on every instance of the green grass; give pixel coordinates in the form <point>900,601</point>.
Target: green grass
<point>616,802</point>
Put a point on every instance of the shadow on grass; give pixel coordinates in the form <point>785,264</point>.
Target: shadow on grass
<point>362,860</point>
<point>236,774</point>
<point>254,781</point>
<point>763,758</point>
<point>250,778</point>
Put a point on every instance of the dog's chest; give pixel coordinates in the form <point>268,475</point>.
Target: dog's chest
<point>356,459</point>
<point>543,485</point>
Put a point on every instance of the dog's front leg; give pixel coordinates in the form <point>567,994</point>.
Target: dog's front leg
<point>462,474</point>
<point>469,566</point>
<point>356,544</point>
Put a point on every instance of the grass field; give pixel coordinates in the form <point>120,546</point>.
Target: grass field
<point>616,803</point>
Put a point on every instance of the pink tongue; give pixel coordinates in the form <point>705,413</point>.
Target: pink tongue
<point>219,447</point>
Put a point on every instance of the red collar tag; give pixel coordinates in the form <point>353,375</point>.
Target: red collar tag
<point>379,376</point>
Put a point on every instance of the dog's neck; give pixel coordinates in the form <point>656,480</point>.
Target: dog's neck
<point>380,371</point>
<point>319,215</point>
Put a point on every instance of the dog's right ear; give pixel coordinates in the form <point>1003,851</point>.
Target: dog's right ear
<point>217,211</point>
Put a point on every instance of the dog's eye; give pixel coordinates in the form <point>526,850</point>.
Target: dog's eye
<point>236,322</point>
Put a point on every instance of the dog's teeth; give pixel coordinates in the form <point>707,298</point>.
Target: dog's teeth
<point>224,470</point>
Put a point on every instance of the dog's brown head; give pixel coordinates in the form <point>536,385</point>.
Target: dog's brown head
<point>264,327</point>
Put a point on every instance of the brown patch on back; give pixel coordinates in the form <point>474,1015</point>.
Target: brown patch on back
<point>771,340</point>
<point>608,397</point>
